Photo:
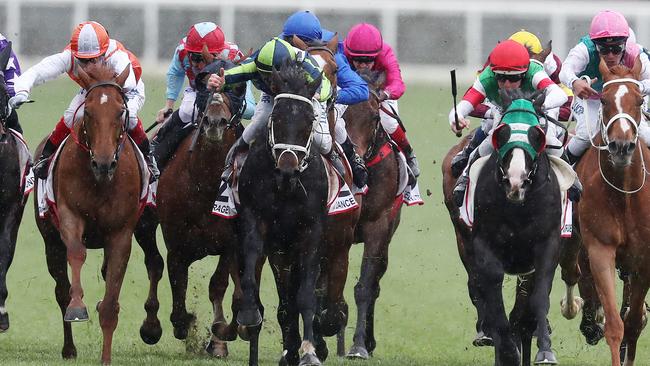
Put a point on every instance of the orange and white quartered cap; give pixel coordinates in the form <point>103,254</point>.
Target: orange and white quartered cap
<point>89,40</point>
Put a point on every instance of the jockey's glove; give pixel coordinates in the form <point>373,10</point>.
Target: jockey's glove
<point>17,100</point>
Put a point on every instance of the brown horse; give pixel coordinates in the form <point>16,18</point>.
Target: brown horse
<point>97,184</point>
<point>618,235</point>
<point>380,212</point>
<point>186,192</point>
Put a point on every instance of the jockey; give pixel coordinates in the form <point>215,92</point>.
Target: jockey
<point>188,61</point>
<point>89,44</point>
<point>365,49</point>
<point>607,39</point>
<point>257,68</point>
<point>552,66</point>
<point>351,89</point>
<point>510,68</point>
<point>10,72</point>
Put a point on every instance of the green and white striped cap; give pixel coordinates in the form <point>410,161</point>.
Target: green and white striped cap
<point>273,53</point>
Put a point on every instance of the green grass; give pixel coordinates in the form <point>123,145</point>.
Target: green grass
<point>423,316</point>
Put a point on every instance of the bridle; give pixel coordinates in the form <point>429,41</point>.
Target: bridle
<point>290,148</point>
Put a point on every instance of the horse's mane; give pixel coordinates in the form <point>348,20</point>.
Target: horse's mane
<point>100,71</point>
<point>374,78</point>
<point>514,94</point>
<point>293,77</point>
<point>620,70</point>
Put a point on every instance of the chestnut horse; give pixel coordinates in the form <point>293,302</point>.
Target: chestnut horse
<point>97,184</point>
<point>11,196</point>
<point>187,189</point>
<point>380,212</point>
<point>614,173</point>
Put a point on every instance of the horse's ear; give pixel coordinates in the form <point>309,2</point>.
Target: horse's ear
<point>207,56</point>
<point>538,99</point>
<point>297,42</point>
<point>276,81</point>
<point>333,43</point>
<point>636,69</point>
<point>506,98</point>
<point>4,56</point>
<point>121,78</point>
<point>604,70</point>
<point>84,79</point>
<point>546,51</point>
<point>313,86</point>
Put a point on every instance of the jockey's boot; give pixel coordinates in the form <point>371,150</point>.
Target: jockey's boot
<point>459,161</point>
<point>41,165</point>
<point>12,122</point>
<point>570,158</point>
<point>144,147</point>
<point>167,139</point>
<point>239,146</point>
<point>575,191</point>
<point>359,171</point>
<point>461,185</point>
<point>334,158</point>
<point>399,136</point>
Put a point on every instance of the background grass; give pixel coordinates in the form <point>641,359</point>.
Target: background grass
<point>423,316</point>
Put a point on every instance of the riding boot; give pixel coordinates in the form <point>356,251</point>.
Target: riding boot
<point>399,136</point>
<point>150,159</point>
<point>239,146</point>
<point>575,191</point>
<point>359,171</point>
<point>570,158</point>
<point>336,161</point>
<point>12,122</point>
<point>463,181</point>
<point>167,139</point>
<point>459,161</point>
<point>41,166</point>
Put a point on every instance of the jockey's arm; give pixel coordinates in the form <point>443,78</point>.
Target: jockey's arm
<point>310,66</point>
<point>120,60</point>
<point>555,96</point>
<point>250,102</point>
<point>645,73</point>
<point>575,63</point>
<point>175,77</point>
<point>394,87</point>
<point>245,71</point>
<point>47,69</point>
<point>353,89</point>
<point>472,98</point>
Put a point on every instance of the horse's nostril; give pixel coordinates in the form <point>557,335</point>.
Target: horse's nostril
<point>113,164</point>
<point>631,146</point>
<point>93,164</point>
<point>612,146</point>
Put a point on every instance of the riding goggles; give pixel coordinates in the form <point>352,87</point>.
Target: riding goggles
<point>364,59</point>
<point>513,78</point>
<point>605,49</point>
<point>196,57</point>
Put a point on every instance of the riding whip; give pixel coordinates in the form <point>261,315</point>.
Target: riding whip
<point>453,93</point>
<point>165,115</point>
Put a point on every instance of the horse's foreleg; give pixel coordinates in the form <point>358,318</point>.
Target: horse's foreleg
<point>634,317</point>
<point>335,316</point>
<point>592,322</point>
<point>250,253</point>
<point>221,331</point>
<point>545,265</point>
<point>286,276</point>
<point>71,230</point>
<point>55,256</point>
<point>7,248</point>
<point>602,261</point>
<point>570,304</point>
<point>177,268</point>
<point>145,234</point>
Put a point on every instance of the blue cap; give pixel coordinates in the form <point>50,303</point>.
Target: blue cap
<point>327,35</point>
<point>304,25</point>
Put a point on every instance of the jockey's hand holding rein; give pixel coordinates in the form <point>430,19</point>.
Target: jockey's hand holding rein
<point>583,89</point>
<point>17,100</point>
<point>217,81</point>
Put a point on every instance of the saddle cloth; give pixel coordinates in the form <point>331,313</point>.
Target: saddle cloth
<point>565,176</point>
<point>47,200</point>
<point>24,164</point>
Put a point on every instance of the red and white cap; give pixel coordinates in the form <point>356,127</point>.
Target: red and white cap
<point>205,33</point>
<point>89,40</point>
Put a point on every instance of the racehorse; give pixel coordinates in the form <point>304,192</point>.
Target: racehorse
<point>186,192</point>
<point>283,194</point>
<point>617,236</point>
<point>380,211</point>
<point>516,181</point>
<point>11,197</point>
<point>97,184</point>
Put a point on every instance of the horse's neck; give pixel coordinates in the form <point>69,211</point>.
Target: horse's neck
<point>207,159</point>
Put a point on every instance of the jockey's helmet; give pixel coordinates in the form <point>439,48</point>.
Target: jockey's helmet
<point>89,40</point>
<point>609,26</point>
<point>205,33</point>
<point>509,57</point>
<point>363,40</point>
<point>303,24</point>
<point>528,40</point>
<point>273,53</point>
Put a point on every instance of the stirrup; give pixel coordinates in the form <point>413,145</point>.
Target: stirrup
<point>460,189</point>
<point>359,171</point>
<point>459,162</point>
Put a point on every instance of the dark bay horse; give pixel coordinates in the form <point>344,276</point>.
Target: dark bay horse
<point>97,185</point>
<point>380,211</point>
<point>283,193</point>
<point>516,231</point>
<point>187,189</point>
<point>614,172</point>
<point>11,197</point>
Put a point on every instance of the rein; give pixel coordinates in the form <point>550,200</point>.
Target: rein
<point>290,148</point>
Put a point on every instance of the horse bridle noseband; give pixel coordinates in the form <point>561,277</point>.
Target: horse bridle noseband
<point>290,148</point>
<point>605,127</point>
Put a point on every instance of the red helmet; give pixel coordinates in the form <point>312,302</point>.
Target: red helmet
<point>205,33</point>
<point>509,57</point>
<point>363,40</point>
<point>89,40</point>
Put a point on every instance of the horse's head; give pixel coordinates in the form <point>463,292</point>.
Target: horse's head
<point>621,101</point>
<point>324,53</point>
<point>5,110</point>
<point>543,54</point>
<point>518,141</point>
<point>370,127</point>
<point>105,117</point>
<point>219,112</point>
<point>292,118</point>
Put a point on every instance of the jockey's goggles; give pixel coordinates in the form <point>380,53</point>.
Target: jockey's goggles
<point>513,78</point>
<point>605,49</point>
<point>364,59</point>
<point>86,61</point>
<point>196,57</point>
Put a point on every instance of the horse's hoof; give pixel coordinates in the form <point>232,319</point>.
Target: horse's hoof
<point>570,312</point>
<point>482,340</point>
<point>358,352</point>
<point>76,314</point>
<point>545,358</point>
<point>223,331</point>
<point>182,326</point>
<point>69,353</point>
<point>288,359</point>
<point>217,349</point>
<point>593,333</point>
<point>249,318</point>
<point>321,350</point>
<point>309,359</point>
<point>150,332</point>
<point>4,322</point>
